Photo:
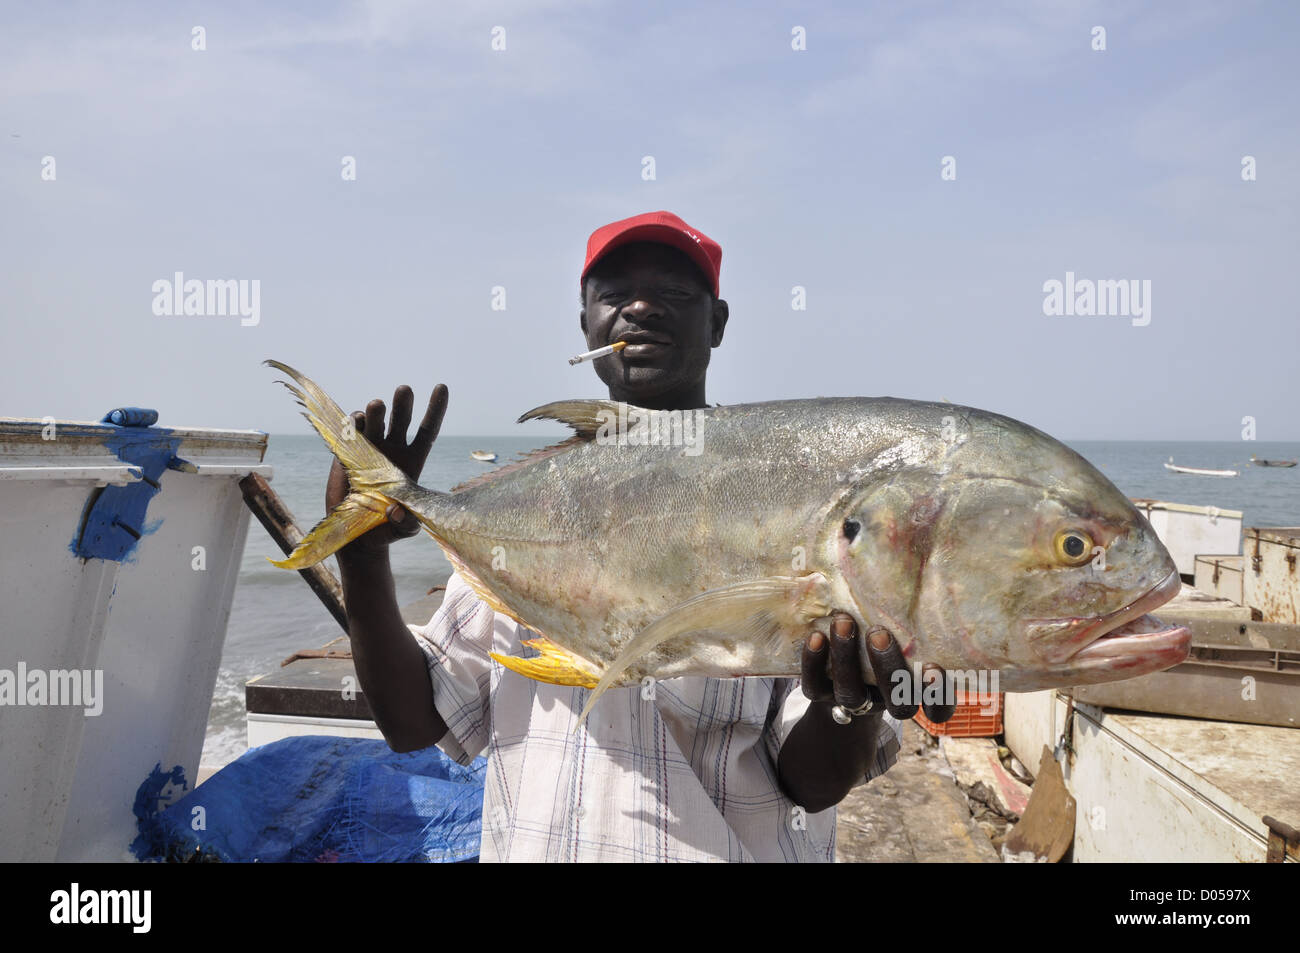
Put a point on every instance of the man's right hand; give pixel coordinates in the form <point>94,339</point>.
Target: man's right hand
<point>390,664</point>
<point>409,458</point>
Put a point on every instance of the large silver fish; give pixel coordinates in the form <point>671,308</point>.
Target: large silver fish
<point>978,541</point>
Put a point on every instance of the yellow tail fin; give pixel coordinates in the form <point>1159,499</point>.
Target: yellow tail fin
<point>370,474</point>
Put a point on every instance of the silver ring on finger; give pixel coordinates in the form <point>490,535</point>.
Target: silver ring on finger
<point>843,715</point>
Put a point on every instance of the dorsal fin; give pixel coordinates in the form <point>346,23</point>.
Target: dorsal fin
<point>584,416</point>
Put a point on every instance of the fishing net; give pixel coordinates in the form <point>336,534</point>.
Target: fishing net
<point>324,799</point>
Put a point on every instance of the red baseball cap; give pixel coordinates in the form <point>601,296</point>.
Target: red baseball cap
<point>664,228</point>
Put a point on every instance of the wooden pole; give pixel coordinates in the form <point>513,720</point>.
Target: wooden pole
<point>275,516</point>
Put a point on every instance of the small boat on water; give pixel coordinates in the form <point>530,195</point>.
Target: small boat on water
<point>484,456</point>
<point>1272,463</point>
<point>1199,471</point>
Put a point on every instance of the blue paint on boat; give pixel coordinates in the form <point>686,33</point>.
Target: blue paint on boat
<point>114,522</point>
<point>150,799</point>
<point>131,417</point>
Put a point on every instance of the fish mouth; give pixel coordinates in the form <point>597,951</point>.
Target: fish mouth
<point>1127,633</point>
<point>1138,641</point>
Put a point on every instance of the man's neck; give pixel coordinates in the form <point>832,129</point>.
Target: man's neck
<point>687,398</point>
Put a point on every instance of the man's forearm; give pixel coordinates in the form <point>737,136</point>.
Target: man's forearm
<point>390,666</point>
<point>821,760</point>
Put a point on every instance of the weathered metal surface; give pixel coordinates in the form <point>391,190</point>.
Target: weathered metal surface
<point>1204,692</point>
<point>203,439</point>
<point>1027,723</point>
<point>120,475</point>
<point>1271,584</point>
<point>1220,576</point>
<point>1136,805</point>
<point>1161,788</point>
<point>1192,603</point>
<point>1238,671</point>
<point>1266,636</point>
<point>1283,841</point>
<point>25,437</point>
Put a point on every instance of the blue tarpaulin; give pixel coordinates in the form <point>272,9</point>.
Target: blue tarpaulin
<point>314,798</point>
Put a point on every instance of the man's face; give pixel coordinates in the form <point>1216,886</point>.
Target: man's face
<point>655,298</point>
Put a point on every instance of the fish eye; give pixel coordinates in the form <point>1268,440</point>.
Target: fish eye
<point>851,528</point>
<point>1073,546</point>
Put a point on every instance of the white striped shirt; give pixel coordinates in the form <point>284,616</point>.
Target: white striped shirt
<point>688,774</point>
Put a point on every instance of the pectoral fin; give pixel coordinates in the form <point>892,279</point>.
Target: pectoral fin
<point>756,611</point>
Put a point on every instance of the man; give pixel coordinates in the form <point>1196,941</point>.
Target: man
<point>691,769</point>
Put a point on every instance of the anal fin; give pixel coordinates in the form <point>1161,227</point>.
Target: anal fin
<point>556,666</point>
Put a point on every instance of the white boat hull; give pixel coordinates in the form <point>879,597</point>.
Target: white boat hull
<point>151,625</point>
<point>1187,531</point>
<point>1161,789</point>
<point>1200,471</point>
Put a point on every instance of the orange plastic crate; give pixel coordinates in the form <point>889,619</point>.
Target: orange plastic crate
<point>970,720</point>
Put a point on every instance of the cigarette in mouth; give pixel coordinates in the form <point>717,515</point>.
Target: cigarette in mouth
<point>599,352</point>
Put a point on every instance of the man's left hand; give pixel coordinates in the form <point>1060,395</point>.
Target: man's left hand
<point>840,683</point>
<point>831,748</point>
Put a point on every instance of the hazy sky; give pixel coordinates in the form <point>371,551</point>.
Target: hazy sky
<point>820,168</point>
